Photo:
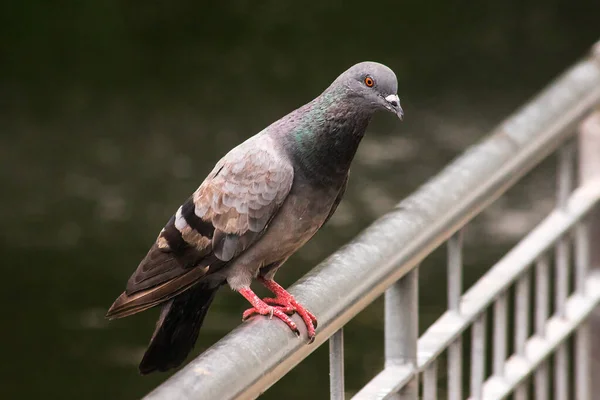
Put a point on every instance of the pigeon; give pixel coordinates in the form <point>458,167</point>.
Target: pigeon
<point>262,202</point>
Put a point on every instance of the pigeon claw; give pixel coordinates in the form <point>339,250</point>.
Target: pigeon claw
<point>259,307</point>
<point>290,306</point>
<point>286,303</point>
<point>271,312</point>
<point>281,306</point>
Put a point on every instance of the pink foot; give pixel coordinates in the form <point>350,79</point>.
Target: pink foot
<point>262,308</point>
<point>286,303</point>
<point>283,304</point>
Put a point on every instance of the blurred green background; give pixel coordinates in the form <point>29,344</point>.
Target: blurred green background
<point>112,113</point>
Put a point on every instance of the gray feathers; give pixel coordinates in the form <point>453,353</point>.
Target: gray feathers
<point>232,208</point>
<point>239,201</point>
<point>228,212</point>
<point>262,201</point>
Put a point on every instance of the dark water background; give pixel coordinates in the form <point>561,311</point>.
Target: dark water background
<point>112,113</point>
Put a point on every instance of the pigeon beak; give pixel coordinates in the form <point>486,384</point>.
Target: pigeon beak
<point>393,102</point>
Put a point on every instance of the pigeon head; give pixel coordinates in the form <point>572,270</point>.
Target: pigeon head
<point>372,85</point>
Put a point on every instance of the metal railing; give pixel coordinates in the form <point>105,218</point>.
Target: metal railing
<point>385,259</point>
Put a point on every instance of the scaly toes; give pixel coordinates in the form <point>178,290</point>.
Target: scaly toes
<point>289,306</point>
<point>312,317</point>
<point>289,310</point>
<point>248,313</point>
<point>306,315</point>
<point>310,325</point>
<point>282,316</point>
<point>271,311</point>
<point>276,302</point>
<point>281,308</point>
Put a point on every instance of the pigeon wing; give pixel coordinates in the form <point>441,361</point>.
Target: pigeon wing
<point>226,214</point>
<point>243,196</point>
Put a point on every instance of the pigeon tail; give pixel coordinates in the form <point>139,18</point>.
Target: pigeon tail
<point>177,329</point>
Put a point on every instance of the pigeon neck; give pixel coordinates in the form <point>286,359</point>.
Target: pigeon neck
<point>326,135</point>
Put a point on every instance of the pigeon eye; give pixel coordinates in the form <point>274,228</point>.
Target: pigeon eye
<point>369,81</point>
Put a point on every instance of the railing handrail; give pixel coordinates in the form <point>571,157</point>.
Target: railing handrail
<point>258,353</point>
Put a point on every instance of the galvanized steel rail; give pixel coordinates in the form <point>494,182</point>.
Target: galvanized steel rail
<point>385,258</point>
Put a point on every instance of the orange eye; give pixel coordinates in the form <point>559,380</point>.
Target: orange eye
<point>369,81</point>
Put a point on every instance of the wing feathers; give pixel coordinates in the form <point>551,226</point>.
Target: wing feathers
<point>126,305</point>
<point>226,215</point>
<point>188,211</point>
<point>241,200</point>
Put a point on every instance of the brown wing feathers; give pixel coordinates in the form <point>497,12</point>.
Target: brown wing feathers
<point>126,304</point>
<point>244,196</point>
<point>228,212</point>
<point>168,268</point>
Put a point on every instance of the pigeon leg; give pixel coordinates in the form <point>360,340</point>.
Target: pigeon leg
<point>262,308</point>
<point>286,303</point>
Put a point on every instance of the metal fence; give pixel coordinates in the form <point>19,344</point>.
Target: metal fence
<point>385,259</point>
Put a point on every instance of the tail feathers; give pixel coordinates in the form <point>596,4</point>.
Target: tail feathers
<point>128,304</point>
<point>177,329</point>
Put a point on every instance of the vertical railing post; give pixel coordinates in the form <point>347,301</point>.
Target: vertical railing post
<point>478,350</point>
<point>336,365</point>
<point>430,382</point>
<point>589,170</point>
<point>455,266</point>
<point>499,343</point>
<point>522,311</point>
<point>542,307</point>
<point>455,351</point>
<point>565,185</point>
<point>402,328</point>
